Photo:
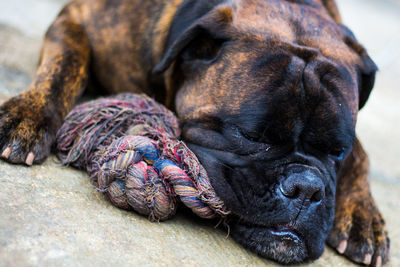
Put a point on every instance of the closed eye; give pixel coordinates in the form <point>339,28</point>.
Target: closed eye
<point>339,153</point>
<point>336,153</point>
<point>247,143</point>
<point>242,134</point>
<point>203,47</point>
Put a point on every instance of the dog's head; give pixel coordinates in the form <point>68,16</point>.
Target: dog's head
<point>268,93</point>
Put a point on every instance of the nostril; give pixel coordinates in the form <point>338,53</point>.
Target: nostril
<point>317,196</point>
<point>290,191</point>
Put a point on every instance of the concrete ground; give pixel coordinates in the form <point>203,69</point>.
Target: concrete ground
<point>51,215</point>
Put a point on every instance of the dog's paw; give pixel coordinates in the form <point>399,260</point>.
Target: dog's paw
<point>27,129</point>
<point>359,230</point>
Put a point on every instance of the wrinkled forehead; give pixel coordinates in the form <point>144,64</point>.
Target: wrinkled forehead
<point>302,22</point>
<point>249,77</point>
<point>281,52</point>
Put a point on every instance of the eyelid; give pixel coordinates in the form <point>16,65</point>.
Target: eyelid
<point>240,133</point>
<point>216,46</point>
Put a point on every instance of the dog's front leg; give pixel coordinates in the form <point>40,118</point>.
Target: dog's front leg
<point>359,229</point>
<point>29,121</point>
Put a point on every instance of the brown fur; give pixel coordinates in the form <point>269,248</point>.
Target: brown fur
<point>357,216</point>
<point>110,45</point>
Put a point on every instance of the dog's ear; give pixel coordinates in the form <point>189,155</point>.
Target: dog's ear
<point>333,10</point>
<point>177,47</point>
<point>366,68</point>
<point>367,78</point>
<point>202,34</point>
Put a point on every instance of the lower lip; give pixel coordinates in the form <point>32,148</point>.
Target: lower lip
<point>286,235</point>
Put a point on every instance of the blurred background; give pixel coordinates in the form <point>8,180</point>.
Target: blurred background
<point>34,231</point>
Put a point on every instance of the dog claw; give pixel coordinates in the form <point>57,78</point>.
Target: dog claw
<point>6,153</point>
<point>30,158</point>
<point>367,259</point>
<point>378,262</point>
<point>341,248</point>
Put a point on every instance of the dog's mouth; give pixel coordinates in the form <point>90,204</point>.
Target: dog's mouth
<point>264,220</point>
<point>282,243</point>
<point>287,233</point>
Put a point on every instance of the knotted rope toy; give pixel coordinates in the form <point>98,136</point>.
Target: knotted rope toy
<point>130,148</point>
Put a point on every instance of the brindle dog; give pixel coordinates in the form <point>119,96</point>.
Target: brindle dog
<point>267,93</point>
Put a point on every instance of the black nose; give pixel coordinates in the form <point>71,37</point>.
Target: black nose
<point>303,185</point>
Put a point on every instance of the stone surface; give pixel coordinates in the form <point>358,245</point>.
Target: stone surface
<point>51,215</point>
